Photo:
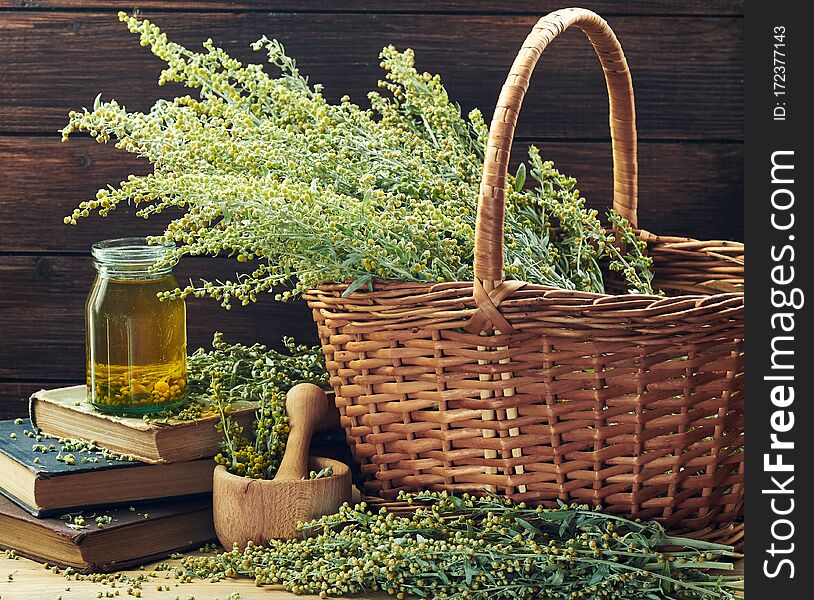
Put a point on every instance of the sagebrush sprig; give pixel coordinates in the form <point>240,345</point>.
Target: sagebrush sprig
<point>483,548</point>
<point>231,373</point>
<point>266,170</point>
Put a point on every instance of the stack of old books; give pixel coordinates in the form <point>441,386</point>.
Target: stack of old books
<point>98,492</point>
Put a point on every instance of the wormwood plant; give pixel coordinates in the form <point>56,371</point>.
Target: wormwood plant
<point>265,169</point>
<point>481,548</point>
<point>234,372</point>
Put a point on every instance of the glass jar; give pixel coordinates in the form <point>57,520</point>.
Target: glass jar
<point>136,342</point>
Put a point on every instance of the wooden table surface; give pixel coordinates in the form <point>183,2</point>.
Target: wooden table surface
<point>33,582</point>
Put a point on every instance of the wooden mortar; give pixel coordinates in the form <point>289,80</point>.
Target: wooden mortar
<point>259,510</point>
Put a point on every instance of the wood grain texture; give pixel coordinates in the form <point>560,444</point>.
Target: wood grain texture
<point>32,582</point>
<point>678,65</point>
<point>690,189</point>
<point>695,7</point>
<point>42,306</point>
<point>305,405</point>
<point>259,510</point>
<point>14,396</point>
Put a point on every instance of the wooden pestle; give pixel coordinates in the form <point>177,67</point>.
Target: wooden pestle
<point>305,404</point>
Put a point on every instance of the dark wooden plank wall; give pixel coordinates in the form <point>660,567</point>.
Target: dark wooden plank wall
<point>55,55</point>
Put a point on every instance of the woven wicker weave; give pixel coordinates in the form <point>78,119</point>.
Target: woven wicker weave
<point>631,402</point>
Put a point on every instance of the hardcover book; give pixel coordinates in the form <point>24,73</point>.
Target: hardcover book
<point>37,475</point>
<point>111,539</point>
<point>65,412</point>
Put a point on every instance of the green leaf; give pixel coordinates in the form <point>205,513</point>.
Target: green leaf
<point>566,522</point>
<point>599,575</point>
<point>527,526</point>
<point>520,177</point>
<point>97,102</point>
<point>351,260</point>
<point>356,284</point>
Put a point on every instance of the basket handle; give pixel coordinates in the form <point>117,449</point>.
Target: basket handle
<point>488,260</point>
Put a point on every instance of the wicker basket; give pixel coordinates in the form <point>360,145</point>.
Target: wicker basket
<point>631,402</point>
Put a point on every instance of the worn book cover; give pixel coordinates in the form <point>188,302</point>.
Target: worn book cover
<point>66,412</point>
<point>110,539</point>
<point>45,476</point>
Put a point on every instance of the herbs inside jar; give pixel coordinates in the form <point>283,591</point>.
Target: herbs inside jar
<point>136,344</point>
<point>304,190</point>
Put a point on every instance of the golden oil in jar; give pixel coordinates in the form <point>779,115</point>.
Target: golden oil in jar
<point>136,342</point>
